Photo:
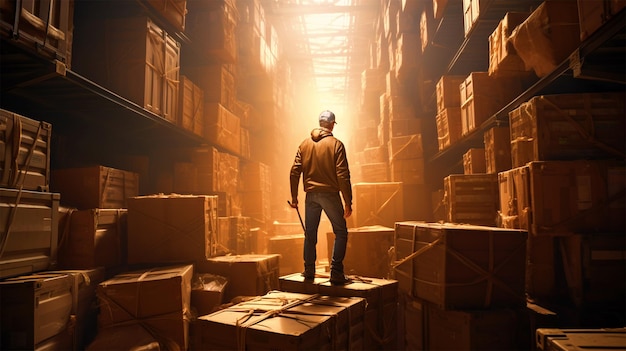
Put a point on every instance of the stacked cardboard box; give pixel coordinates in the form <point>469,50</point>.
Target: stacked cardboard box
<point>191,106</point>
<point>212,27</point>
<point>377,203</point>
<point>175,11</point>
<point>453,292</point>
<point>381,295</point>
<point>503,60</point>
<point>285,320</point>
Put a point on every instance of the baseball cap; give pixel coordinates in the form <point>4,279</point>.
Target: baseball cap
<point>327,116</point>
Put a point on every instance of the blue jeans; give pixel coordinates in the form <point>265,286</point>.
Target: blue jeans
<point>333,207</point>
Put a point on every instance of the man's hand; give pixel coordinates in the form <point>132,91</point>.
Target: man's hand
<point>293,203</point>
<point>347,211</point>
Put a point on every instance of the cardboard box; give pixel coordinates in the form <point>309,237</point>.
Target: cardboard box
<point>494,329</point>
<point>460,267</point>
<point>548,36</point>
<point>593,14</point>
<point>159,298</point>
<point>247,275</point>
<point>290,248</point>
<point>218,83</point>
<point>376,241</point>
<point>222,127</point>
<point>568,127</point>
<point>449,127</point>
<point>497,142</point>
<point>481,97</point>
<point>322,322</point>
<point>377,203</point>
<point>375,172</point>
<point>234,235</point>
<point>171,228</point>
<point>191,106</point>
<point>94,238</point>
<point>448,92</point>
<point>25,160</point>
<point>94,186</point>
<point>471,198</point>
<point>406,147</point>
<point>212,27</point>
<point>381,314</point>
<point>174,11</point>
<point>32,221</point>
<point>415,313</point>
<point>207,292</point>
<point>474,161</point>
<point>408,171</point>
<point>503,60</point>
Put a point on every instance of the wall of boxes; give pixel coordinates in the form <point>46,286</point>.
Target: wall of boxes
<point>486,211</point>
<point>464,135</point>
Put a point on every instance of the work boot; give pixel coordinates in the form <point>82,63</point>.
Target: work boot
<point>308,275</point>
<point>339,279</point>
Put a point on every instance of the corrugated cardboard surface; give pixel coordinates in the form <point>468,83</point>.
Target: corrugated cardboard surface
<point>171,228</point>
<point>381,315</point>
<point>247,275</point>
<point>285,320</point>
<point>376,241</point>
<point>461,266</point>
<point>159,298</point>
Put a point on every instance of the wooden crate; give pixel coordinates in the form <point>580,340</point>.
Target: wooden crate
<point>568,127</point>
<point>497,142</point>
<point>25,162</point>
<point>576,339</point>
<point>449,127</point>
<point>474,161</point>
<point>222,127</point>
<point>94,186</point>
<point>212,28</point>
<point>32,220</point>
<point>471,198</point>
<point>218,83</point>
<point>191,106</point>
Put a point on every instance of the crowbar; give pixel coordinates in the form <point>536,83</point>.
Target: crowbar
<point>300,217</point>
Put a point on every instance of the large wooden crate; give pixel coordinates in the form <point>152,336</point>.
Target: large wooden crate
<point>25,160</point>
<point>471,198</point>
<point>461,266</point>
<point>568,127</point>
<point>377,203</point>
<point>572,339</point>
<point>138,60</point>
<point>44,29</point>
<point>30,222</point>
<point>171,228</point>
<point>94,186</point>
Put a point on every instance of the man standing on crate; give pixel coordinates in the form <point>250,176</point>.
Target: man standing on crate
<point>322,161</point>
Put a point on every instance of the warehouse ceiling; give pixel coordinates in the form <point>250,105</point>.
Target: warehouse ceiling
<point>326,43</point>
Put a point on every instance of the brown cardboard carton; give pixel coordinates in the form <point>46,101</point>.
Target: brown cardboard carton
<point>191,106</point>
<point>212,27</point>
<point>381,315</point>
<point>405,147</point>
<point>377,241</point>
<point>449,127</point>
<point>207,292</point>
<point>95,186</point>
<point>171,228</point>
<point>290,248</point>
<point>593,14</point>
<point>174,11</point>
<point>222,127</point>
<point>497,149</point>
<point>448,93</point>
<point>474,161</point>
<point>408,171</point>
<point>247,275</point>
<point>94,238</point>
<point>286,320</point>
<point>461,266</point>
<point>548,36</point>
<point>377,203</point>
<point>158,297</point>
<point>503,60</point>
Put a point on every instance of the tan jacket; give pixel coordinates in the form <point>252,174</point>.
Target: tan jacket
<point>322,161</point>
